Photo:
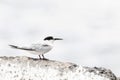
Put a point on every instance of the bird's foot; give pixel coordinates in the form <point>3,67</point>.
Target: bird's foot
<point>45,59</point>
<point>40,58</point>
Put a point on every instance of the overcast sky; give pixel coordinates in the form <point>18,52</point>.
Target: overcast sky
<point>90,29</point>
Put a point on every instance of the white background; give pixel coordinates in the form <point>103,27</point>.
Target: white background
<point>90,29</point>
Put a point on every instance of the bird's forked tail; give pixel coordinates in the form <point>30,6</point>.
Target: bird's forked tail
<point>13,46</point>
<point>22,48</point>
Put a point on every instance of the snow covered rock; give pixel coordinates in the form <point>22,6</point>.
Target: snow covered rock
<point>25,68</point>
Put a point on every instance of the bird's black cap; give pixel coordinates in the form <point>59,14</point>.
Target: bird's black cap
<point>51,38</point>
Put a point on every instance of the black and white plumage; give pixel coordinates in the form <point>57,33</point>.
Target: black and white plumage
<point>39,49</point>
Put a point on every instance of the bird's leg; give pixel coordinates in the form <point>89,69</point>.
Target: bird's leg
<point>40,57</point>
<point>44,57</point>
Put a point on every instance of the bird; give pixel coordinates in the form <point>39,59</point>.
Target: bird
<point>39,48</point>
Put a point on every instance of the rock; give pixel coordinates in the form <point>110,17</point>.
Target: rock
<point>25,68</point>
<point>118,78</point>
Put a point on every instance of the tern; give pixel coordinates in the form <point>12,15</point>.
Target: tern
<point>41,48</point>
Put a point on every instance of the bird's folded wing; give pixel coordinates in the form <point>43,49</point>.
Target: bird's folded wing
<point>29,49</point>
<point>38,47</point>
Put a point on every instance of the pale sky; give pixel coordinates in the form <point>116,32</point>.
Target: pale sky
<point>90,29</point>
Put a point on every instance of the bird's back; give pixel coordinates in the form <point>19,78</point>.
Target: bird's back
<point>41,48</point>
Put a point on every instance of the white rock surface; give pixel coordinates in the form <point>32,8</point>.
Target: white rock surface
<point>25,68</point>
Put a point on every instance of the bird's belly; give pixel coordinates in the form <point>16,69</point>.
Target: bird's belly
<point>40,52</point>
<point>36,53</point>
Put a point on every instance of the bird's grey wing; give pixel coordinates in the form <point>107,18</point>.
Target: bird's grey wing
<point>37,46</point>
<point>22,48</point>
<point>41,47</point>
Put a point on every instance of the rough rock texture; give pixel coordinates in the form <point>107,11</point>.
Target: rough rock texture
<point>25,68</point>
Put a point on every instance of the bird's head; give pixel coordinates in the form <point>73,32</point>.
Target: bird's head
<point>51,39</point>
